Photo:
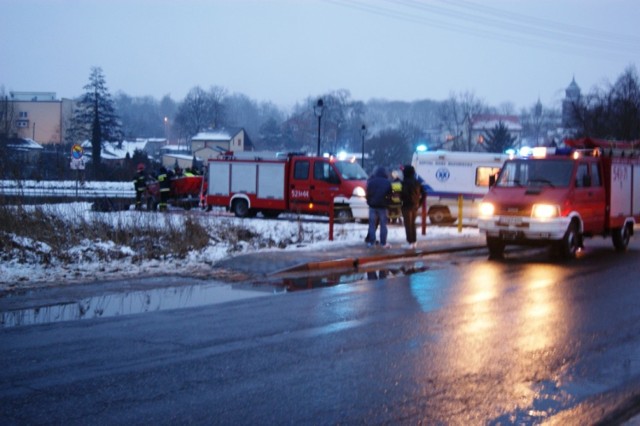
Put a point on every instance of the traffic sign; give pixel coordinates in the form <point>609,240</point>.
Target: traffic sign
<point>77,151</point>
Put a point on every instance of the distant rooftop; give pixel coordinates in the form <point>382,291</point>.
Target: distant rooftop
<point>32,96</point>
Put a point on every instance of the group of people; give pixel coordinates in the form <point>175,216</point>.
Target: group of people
<point>140,185</point>
<point>379,197</point>
<point>163,177</point>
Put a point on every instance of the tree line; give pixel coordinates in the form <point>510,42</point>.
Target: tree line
<point>387,131</point>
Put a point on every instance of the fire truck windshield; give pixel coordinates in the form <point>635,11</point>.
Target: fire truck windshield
<point>538,172</point>
<point>351,171</point>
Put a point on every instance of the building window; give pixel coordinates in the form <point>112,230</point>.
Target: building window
<point>23,114</point>
<point>22,123</point>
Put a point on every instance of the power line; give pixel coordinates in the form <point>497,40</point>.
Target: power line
<point>518,25</point>
<point>500,25</point>
<point>628,39</point>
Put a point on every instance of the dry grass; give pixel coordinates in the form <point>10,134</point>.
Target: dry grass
<point>148,238</point>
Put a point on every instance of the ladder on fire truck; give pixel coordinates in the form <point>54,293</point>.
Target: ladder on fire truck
<point>609,148</point>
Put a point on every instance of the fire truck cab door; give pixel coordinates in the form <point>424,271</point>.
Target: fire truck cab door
<point>589,196</point>
<point>326,183</point>
<point>300,185</point>
<point>311,183</point>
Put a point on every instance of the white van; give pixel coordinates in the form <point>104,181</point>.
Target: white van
<point>447,175</point>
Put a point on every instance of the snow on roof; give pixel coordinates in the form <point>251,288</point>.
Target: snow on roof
<point>216,135</point>
<point>182,156</point>
<point>111,150</point>
<point>23,144</point>
<point>489,121</point>
<point>175,148</point>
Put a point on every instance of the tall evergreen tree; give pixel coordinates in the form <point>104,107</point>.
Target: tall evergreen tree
<point>498,139</point>
<point>94,117</point>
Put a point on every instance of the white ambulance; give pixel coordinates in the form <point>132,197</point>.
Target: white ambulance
<point>451,177</point>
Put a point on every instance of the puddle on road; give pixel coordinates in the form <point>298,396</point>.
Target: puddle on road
<point>177,297</point>
<point>371,272</point>
<point>134,302</point>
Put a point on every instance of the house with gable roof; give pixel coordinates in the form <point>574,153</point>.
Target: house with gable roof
<point>211,143</point>
<point>24,153</point>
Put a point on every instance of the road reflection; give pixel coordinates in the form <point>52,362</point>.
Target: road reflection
<point>502,325</point>
<point>127,303</point>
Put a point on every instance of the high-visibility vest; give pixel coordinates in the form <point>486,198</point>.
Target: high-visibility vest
<point>396,190</point>
<point>165,184</point>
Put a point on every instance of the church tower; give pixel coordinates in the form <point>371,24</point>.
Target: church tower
<point>572,96</point>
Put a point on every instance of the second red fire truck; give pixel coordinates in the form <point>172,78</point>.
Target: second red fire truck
<point>558,197</point>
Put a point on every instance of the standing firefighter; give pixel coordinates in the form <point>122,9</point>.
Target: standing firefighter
<point>395,213</point>
<point>140,185</point>
<point>165,186</point>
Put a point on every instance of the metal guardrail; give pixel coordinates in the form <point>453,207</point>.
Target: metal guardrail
<point>66,189</point>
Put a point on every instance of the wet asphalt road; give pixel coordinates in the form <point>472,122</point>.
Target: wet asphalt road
<point>466,341</point>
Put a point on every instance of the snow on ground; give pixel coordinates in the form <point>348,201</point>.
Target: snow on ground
<point>34,264</point>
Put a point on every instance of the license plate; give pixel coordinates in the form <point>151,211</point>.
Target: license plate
<point>510,220</point>
<point>509,235</point>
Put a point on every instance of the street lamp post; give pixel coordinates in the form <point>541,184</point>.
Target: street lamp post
<point>317,110</point>
<point>363,132</point>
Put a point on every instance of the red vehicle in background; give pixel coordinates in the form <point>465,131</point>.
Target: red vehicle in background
<point>272,183</point>
<point>187,191</point>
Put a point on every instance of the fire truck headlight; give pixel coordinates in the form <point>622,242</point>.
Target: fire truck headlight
<point>359,192</point>
<point>545,211</point>
<point>487,209</point>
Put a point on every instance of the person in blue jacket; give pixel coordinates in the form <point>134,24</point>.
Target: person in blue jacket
<point>378,200</point>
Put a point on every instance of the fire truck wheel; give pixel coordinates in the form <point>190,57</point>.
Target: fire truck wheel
<point>496,248</point>
<point>621,237</point>
<point>240,208</point>
<point>343,215</point>
<point>568,246</point>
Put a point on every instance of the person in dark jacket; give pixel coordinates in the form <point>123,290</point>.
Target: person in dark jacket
<point>412,197</point>
<point>378,199</point>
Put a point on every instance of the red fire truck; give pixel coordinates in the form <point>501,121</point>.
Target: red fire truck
<point>557,197</point>
<point>272,183</point>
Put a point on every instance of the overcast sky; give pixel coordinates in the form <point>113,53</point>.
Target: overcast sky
<point>287,50</point>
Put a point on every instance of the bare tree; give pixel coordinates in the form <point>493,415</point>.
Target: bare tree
<point>625,105</point>
<point>537,121</point>
<point>340,123</point>
<point>201,110</point>
<point>390,148</point>
<point>612,113</point>
<point>141,116</point>
<point>457,114</point>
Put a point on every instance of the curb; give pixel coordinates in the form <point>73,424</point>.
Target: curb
<point>355,262</point>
